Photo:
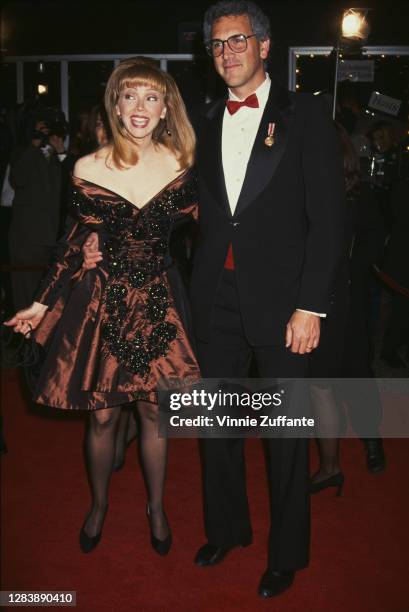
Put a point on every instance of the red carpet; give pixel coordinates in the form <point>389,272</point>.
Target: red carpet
<point>360,541</point>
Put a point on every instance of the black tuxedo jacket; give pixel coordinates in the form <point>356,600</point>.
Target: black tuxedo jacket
<point>288,228</point>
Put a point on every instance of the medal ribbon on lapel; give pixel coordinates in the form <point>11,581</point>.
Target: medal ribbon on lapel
<point>269,141</point>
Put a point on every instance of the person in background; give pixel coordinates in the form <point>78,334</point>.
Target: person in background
<point>79,134</point>
<point>344,351</point>
<point>36,177</point>
<point>6,201</point>
<point>96,131</point>
<point>395,272</point>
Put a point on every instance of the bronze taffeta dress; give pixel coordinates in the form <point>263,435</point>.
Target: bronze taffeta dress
<point>118,332</point>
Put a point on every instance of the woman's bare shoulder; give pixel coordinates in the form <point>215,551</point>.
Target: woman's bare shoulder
<point>89,166</point>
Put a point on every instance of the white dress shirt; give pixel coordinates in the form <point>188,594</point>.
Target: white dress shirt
<point>238,136</point>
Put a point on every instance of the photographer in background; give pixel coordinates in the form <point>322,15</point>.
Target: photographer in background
<point>36,174</point>
<point>395,267</point>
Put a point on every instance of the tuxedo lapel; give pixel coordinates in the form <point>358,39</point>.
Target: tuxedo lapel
<point>210,154</point>
<point>264,160</point>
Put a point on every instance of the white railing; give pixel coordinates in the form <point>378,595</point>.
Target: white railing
<point>64,60</point>
<point>294,53</point>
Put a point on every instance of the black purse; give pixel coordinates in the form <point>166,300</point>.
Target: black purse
<point>21,350</point>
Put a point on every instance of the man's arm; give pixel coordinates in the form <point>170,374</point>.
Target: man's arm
<point>324,206</point>
<point>325,209</point>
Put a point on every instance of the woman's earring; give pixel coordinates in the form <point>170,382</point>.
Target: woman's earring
<point>167,130</point>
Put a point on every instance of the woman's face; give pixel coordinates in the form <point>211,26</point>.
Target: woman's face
<point>100,132</point>
<point>141,108</point>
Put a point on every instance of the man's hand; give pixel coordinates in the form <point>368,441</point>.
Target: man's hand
<point>303,332</point>
<point>90,252</point>
<point>29,318</point>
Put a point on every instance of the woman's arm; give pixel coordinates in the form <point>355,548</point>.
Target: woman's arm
<point>66,260</point>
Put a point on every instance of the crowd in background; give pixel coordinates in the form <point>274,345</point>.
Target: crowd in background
<point>38,152</point>
<point>380,249</point>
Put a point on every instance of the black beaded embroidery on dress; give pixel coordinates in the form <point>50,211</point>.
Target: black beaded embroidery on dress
<point>135,242</point>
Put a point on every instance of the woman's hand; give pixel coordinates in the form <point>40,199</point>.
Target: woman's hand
<point>29,318</point>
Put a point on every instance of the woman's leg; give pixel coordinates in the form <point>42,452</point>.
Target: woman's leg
<point>99,453</point>
<point>125,434</point>
<point>329,459</point>
<point>326,412</point>
<point>153,456</point>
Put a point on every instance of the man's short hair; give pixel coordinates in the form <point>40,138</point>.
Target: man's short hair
<point>260,23</point>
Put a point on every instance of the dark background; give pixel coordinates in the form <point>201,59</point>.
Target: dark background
<point>87,27</point>
<point>40,27</point>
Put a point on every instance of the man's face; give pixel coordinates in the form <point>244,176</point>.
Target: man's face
<point>244,71</point>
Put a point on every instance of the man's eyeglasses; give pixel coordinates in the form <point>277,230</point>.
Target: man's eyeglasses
<point>236,43</point>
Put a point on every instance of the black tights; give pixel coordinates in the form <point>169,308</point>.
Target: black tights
<point>153,458</point>
<point>126,432</point>
<point>327,414</point>
<point>100,454</point>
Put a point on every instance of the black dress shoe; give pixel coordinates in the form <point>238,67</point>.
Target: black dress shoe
<point>162,547</point>
<point>88,543</point>
<point>375,456</point>
<point>336,480</point>
<point>273,582</point>
<point>209,554</point>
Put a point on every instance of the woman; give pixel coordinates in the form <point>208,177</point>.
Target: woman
<point>96,131</point>
<point>97,134</point>
<point>326,360</point>
<point>113,334</point>
<point>344,345</point>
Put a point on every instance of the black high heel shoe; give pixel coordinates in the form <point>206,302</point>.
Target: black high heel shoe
<point>336,480</point>
<point>88,543</point>
<point>162,547</point>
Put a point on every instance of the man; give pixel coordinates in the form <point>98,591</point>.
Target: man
<point>271,229</point>
<point>36,173</point>
<point>271,217</point>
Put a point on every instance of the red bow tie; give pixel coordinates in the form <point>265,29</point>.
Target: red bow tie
<point>234,105</point>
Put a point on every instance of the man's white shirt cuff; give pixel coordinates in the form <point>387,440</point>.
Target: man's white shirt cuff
<point>319,314</point>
